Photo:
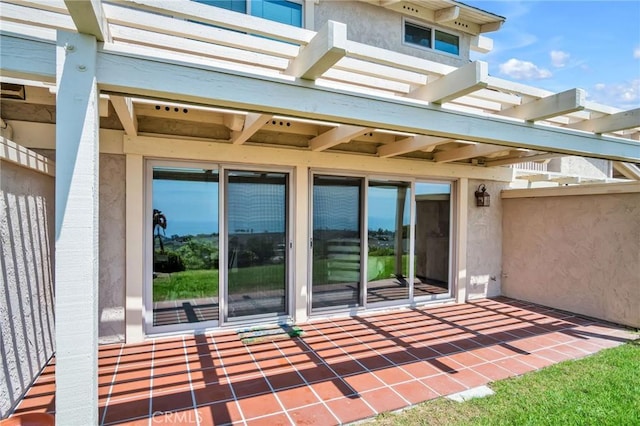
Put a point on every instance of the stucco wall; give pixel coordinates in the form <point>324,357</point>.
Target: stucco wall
<point>26,282</point>
<point>484,242</point>
<point>577,253</point>
<point>112,246</point>
<point>377,26</point>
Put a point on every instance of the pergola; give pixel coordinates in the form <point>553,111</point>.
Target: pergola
<point>181,76</point>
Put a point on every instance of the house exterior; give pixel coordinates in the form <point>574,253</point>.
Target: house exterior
<point>221,164</point>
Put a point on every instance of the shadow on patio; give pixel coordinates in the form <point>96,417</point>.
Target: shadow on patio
<point>340,371</point>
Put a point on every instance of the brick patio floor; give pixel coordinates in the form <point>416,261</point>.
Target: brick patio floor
<point>340,371</point>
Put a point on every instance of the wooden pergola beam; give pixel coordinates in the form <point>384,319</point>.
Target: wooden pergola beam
<point>550,106</point>
<point>326,48</point>
<point>464,80</point>
<point>89,18</point>
<point>610,123</point>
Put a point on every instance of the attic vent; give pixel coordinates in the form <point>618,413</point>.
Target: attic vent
<point>461,24</point>
<point>174,109</point>
<point>280,123</point>
<point>410,9</point>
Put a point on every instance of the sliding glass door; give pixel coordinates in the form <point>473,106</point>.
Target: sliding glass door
<point>432,249</point>
<point>184,222</point>
<point>257,243</point>
<point>378,242</point>
<point>337,242</point>
<point>389,230</point>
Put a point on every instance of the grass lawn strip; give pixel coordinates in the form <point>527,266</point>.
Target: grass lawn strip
<point>602,389</point>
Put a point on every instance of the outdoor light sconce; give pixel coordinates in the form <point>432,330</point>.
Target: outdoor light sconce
<point>482,196</point>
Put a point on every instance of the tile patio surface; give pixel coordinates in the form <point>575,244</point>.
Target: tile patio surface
<point>340,371</point>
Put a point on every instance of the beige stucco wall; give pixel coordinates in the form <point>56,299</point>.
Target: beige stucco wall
<point>26,281</point>
<point>578,253</point>
<point>112,248</point>
<point>111,291</point>
<point>484,242</point>
<point>377,26</point>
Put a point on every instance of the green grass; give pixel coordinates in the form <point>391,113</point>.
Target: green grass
<point>186,285</point>
<point>603,389</point>
<point>199,283</point>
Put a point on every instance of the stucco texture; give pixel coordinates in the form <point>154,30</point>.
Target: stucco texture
<point>111,291</point>
<point>112,259</point>
<point>26,287</point>
<point>484,242</point>
<point>380,27</point>
<point>577,253</point>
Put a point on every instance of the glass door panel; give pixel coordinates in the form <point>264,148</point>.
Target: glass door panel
<point>389,222</point>
<point>433,224</point>
<point>337,241</point>
<point>185,245</point>
<point>257,243</point>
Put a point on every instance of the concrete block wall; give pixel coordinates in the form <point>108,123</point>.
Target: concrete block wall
<point>26,279</point>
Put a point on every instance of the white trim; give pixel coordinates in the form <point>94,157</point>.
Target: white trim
<point>136,257</point>
<point>461,205</point>
<point>565,191</point>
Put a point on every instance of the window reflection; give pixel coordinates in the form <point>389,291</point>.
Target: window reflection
<point>185,245</point>
<point>388,254</point>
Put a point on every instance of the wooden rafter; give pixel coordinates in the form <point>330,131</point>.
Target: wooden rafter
<point>125,111</point>
<point>470,151</point>
<point>522,157</point>
<point>410,144</point>
<point>336,136</point>
<point>628,170</point>
<point>252,123</point>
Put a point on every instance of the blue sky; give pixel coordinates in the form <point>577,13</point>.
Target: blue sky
<point>560,45</point>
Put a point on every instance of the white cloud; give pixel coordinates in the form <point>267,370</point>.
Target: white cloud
<point>523,70</point>
<point>622,95</point>
<point>636,52</point>
<point>559,58</point>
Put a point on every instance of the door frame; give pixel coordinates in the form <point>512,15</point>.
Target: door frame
<point>289,229</point>
<point>147,285</point>
<point>364,205</point>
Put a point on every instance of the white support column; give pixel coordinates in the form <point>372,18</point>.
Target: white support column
<point>461,219</point>
<point>135,237</point>
<point>301,244</point>
<point>76,305</point>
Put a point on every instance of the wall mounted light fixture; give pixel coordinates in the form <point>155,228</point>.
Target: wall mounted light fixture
<point>482,196</point>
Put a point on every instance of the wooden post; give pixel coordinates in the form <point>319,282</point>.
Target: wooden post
<point>76,261</point>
